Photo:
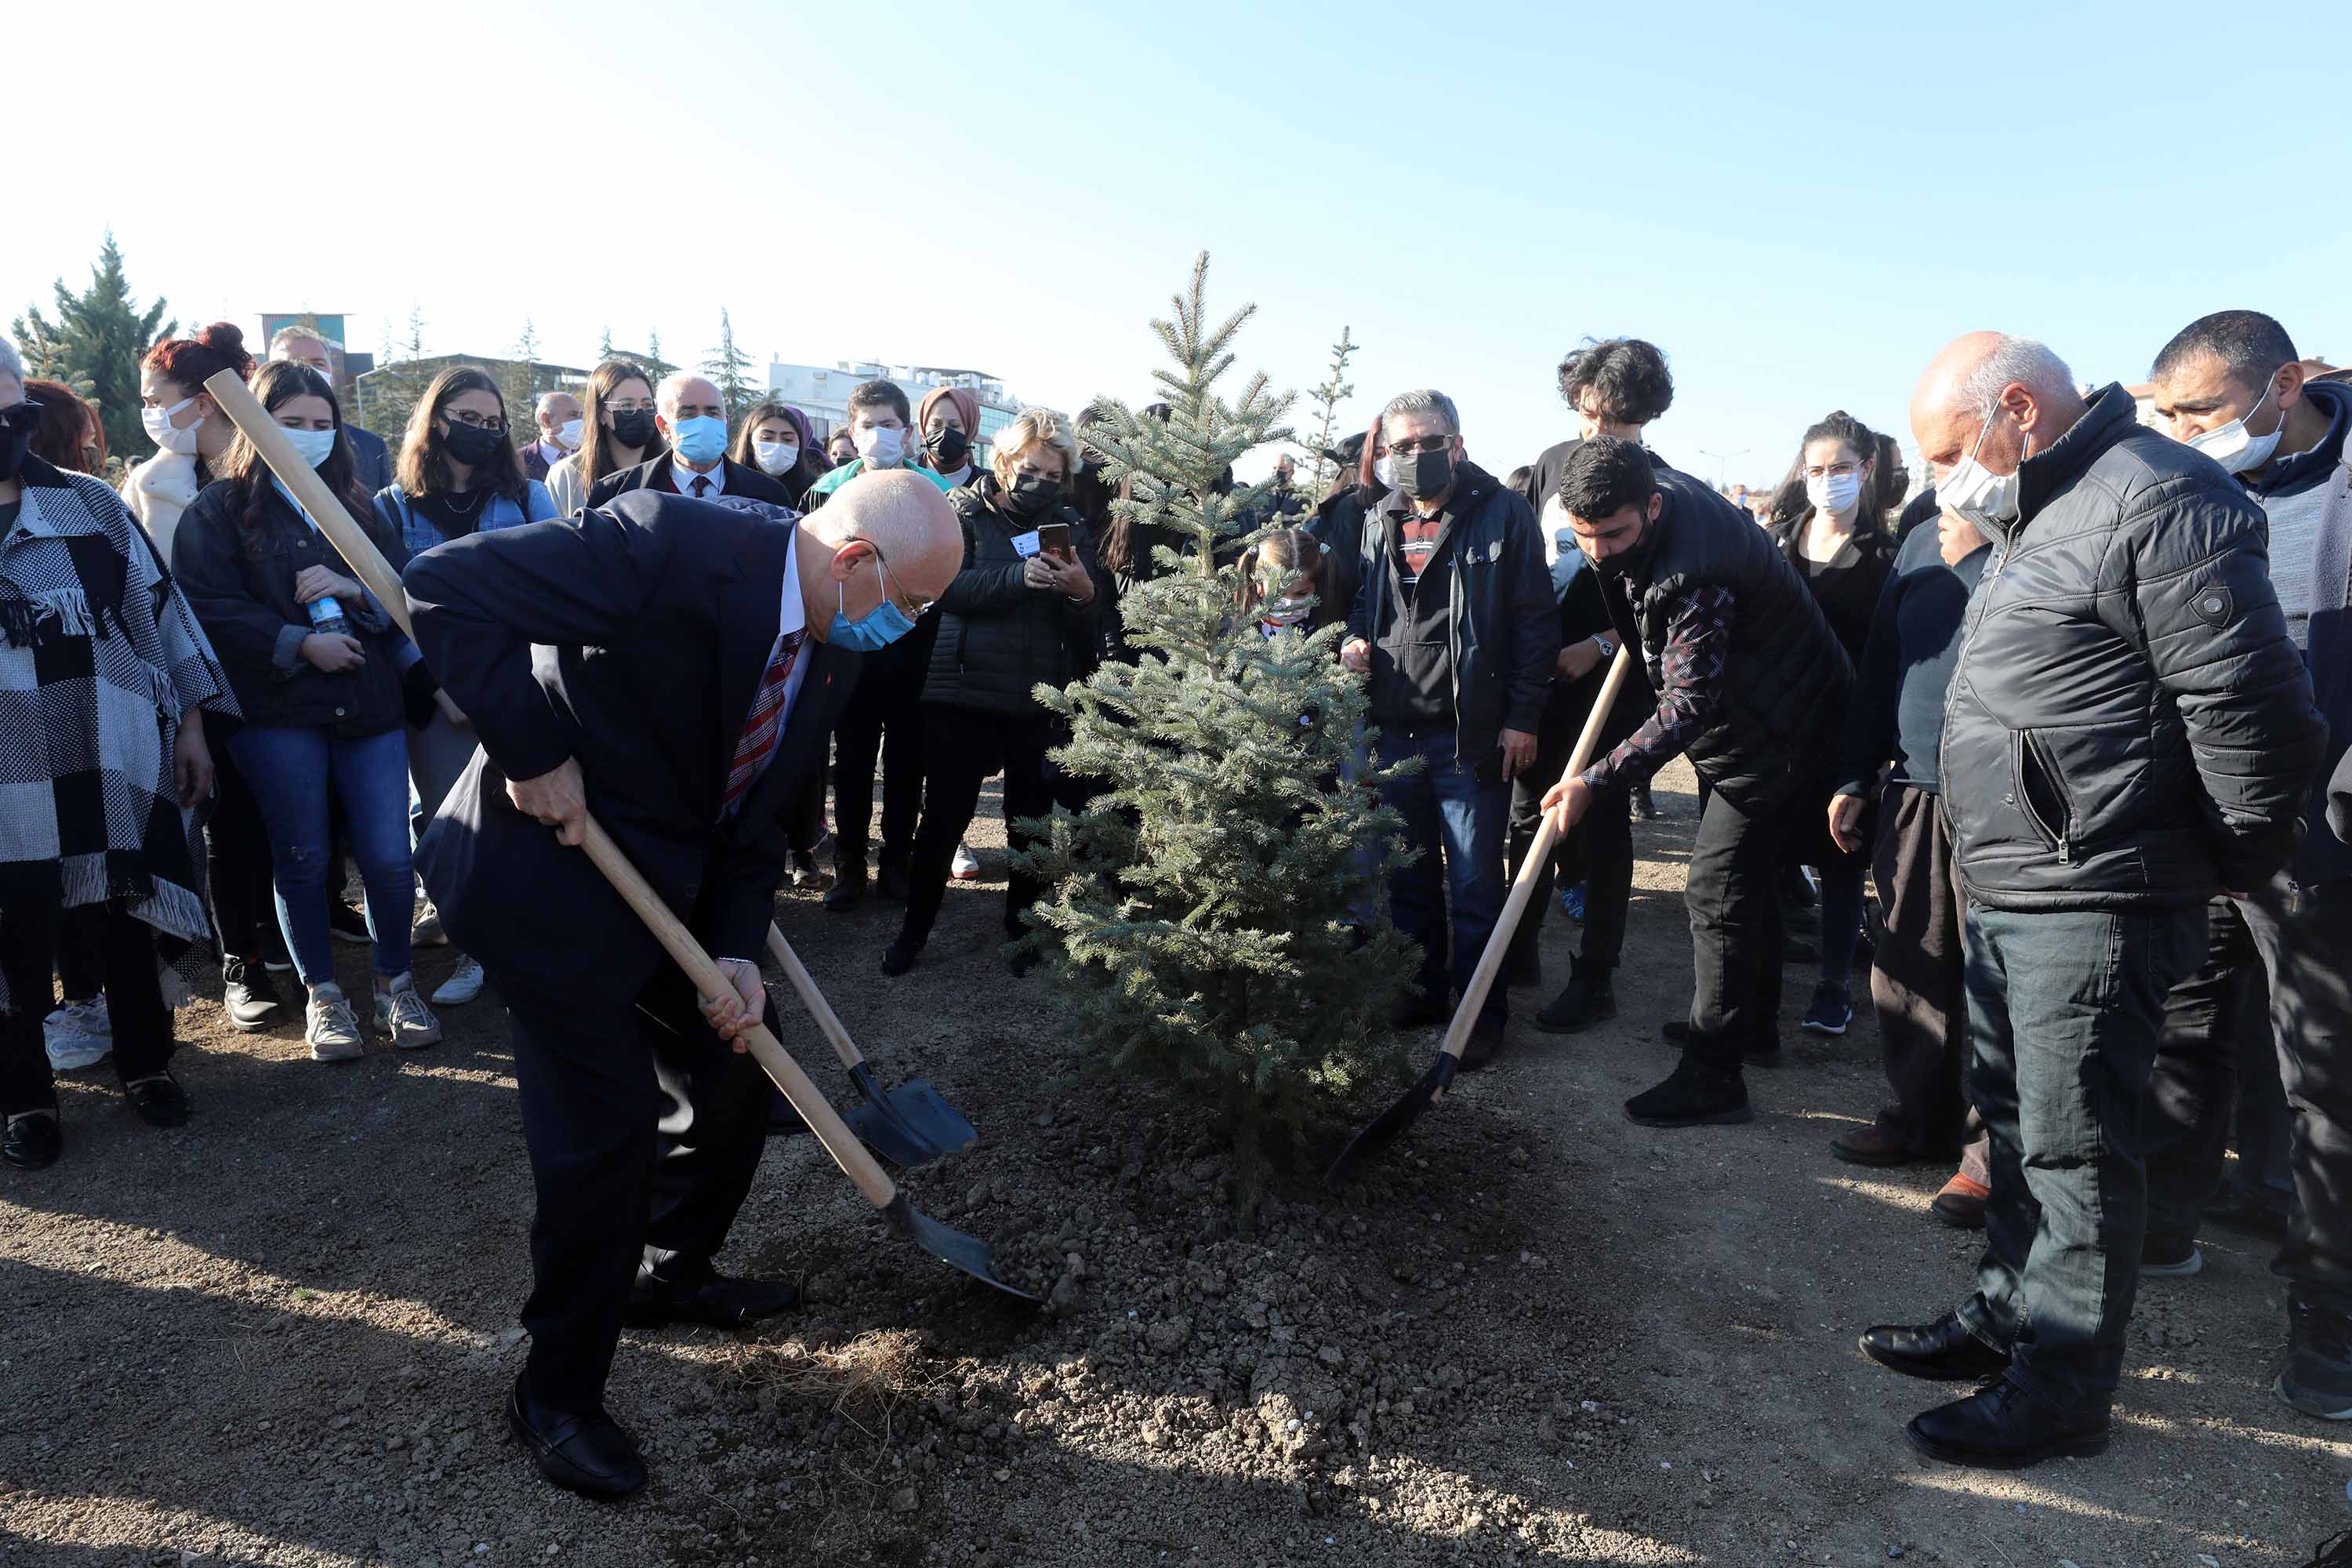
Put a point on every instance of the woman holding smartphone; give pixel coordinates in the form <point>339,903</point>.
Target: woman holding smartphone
<point>1021,611</point>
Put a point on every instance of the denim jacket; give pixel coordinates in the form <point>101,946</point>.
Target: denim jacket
<point>420,534</point>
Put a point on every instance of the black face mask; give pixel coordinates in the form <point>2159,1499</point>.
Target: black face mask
<point>948,449</point>
<point>471,445</point>
<point>1627,562</point>
<point>633,429</point>
<point>1031,494</point>
<point>1423,475</point>
<point>17,427</point>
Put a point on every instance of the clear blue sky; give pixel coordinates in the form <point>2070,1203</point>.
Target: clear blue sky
<point>1799,203</point>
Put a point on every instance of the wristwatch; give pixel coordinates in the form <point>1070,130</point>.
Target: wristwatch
<point>1608,649</point>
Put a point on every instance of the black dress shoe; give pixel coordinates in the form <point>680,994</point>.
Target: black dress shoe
<point>246,995</point>
<point>1484,1043</point>
<point>721,1302</point>
<point>588,1454</point>
<point>1693,1095</point>
<point>2002,1427</point>
<point>1590,998</point>
<point>159,1101</point>
<point>31,1142</point>
<point>848,885</point>
<point>1940,1351</point>
<point>898,958</point>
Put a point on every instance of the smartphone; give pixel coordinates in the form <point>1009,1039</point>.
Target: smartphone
<point>1054,539</point>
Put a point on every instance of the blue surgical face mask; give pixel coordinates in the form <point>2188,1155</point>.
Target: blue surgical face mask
<point>701,440</point>
<point>874,631</point>
<point>315,446</point>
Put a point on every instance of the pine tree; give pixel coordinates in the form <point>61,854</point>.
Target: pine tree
<point>657,366</point>
<point>1335,389</point>
<point>519,383</point>
<point>730,368</point>
<point>605,346</point>
<point>1198,920</point>
<point>95,346</point>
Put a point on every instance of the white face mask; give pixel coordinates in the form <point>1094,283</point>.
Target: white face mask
<point>881,449</point>
<point>776,457</point>
<point>1833,495</point>
<point>157,422</point>
<point>314,447</point>
<point>1382,471</point>
<point>567,434</point>
<point>1987,499</point>
<point>2234,450</point>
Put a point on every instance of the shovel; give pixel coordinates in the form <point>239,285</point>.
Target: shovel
<point>909,1125</point>
<point>968,1253</point>
<point>1391,1123</point>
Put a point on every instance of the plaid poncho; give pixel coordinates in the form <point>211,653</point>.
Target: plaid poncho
<point>99,658</point>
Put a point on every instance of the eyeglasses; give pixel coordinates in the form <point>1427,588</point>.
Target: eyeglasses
<point>1426,443</point>
<point>1834,471</point>
<point>468,417</point>
<point>914,609</point>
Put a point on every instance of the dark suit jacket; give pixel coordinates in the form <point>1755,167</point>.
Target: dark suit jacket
<point>653,474</point>
<point>653,619</point>
<point>534,462</point>
<point>373,457</point>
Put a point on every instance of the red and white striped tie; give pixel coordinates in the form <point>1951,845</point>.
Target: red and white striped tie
<point>764,728</point>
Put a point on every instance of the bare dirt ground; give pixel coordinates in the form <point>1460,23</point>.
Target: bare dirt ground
<point>1536,1332</point>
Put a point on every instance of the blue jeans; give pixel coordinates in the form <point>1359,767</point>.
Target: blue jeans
<point>290,770</point>
<point>1458,824</point>
<point>2065,1008</point>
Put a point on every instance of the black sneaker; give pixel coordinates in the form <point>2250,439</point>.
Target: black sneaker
<point>1830,1011</point>
<point>848,884</point>
<point>1692,1096</point>
<point>246,995</point>
<point>1590,998</point>
<point>350,925</point>
<point>1484,1043</point>
<point>2319,1376</point>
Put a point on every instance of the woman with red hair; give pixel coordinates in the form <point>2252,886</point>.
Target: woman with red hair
<point>69,436</point>
<point>190,432</point>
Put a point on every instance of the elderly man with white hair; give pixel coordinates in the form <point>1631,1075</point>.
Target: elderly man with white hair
<point>558,434</point>
<point>2129,731</point>
<point>103,670</point>
<point>692,417</point>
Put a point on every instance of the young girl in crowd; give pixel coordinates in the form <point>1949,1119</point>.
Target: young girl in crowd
<point>317,667</point>
<point>619,425</point>
<point>459,474</point>
<point>778,440</point>
<point>1837,541</point>
<point>1289,580</point>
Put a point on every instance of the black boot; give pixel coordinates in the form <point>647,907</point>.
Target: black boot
<point>1941,1351</point>
<point>2002,1427</point>
<point>246,994</point>
<point>1693,1095</point>
<point>1589,998</point>
<point>890,875</point>
<point>849,881</point>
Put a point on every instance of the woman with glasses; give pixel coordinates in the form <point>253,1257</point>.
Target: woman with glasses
<point>317,667</point>
<point>1021,612</point>
<point>620,434</point>
<point>459,474</point>
<point>1837,541</point>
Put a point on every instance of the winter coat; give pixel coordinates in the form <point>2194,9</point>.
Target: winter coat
<point>2128,725</point>
<point>1503,627</point>
<point>1775,726</point>
<point>244,601</point>
<point>999,637</point>
<point>158,491</point>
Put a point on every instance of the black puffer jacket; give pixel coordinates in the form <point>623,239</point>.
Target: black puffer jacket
<point>2129,725</point>
<point>245,600</point>
<point>999,637</point>
<point>1785,682</point>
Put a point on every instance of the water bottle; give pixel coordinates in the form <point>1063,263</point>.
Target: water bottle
<point>327,616</point>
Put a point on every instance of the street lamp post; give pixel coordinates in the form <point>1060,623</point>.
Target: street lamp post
<point>1721,459</point>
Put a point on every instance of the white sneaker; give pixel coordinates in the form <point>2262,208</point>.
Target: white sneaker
<point>965,867</point>
<point>402,1014</point>
<point>462,986</point>
<point>332,1028</point>
<point>78,1035</point>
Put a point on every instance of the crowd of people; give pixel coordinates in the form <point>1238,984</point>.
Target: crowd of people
<point>2072,712</point>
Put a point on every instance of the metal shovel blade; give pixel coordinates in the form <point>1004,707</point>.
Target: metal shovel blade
<point>1391,1123</point>
<point>909,1125</point>
<point>953,1247</point>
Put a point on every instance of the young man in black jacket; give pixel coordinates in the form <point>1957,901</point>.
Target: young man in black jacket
<point>1748,676</point>
<point>1456,622</point>
<point>2128,732</point>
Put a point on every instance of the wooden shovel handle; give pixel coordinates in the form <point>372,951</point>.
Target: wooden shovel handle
<point>1523,886</point>
<point>358,552</point>
<point>828,1021</point>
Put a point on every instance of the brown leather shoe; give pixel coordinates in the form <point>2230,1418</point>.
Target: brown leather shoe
<point>1871,1146</point>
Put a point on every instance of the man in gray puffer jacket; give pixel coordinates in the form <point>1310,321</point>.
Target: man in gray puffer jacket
<point>2129,730</point>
